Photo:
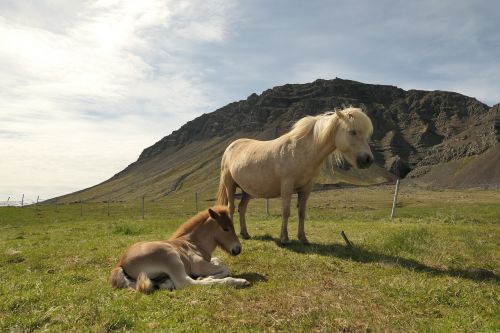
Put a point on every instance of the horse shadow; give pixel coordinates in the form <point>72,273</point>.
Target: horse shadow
<point>251,277</point>
<point>363,255</point>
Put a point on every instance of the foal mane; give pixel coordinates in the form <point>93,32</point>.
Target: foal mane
<point>196,220</point>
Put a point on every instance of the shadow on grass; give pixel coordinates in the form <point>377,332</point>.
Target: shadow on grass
<point>252,277</point>
<point>359,254</point>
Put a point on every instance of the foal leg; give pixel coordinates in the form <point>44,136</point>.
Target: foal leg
<point>242,209</point>
<point>205,268</point>
<point>227,280</point>
<point>175,269</point>
<point>286,198</point>
<point>303,195</point>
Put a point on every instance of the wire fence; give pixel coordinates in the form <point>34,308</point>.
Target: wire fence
<point>335,198</point>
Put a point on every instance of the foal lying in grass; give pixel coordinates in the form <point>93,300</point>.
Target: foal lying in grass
<point>186,256</point>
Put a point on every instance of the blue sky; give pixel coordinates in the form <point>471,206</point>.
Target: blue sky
<point>86,85</point>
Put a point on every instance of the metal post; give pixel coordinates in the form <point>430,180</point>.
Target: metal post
<point>196,200</point>
<point>143,207</point>
<point>267,207</point>
<point>37,197</point>
<point>346,240</point>
<point>395,198</point>
<point>22,201</point>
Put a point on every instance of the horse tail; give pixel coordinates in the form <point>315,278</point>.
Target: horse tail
<point>222,193</point>
<point>144,284</point>
<point>118,279</point>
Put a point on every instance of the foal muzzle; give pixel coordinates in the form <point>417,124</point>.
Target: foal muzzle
<point>236,250</point>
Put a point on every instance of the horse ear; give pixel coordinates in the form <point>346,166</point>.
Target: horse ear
<point>340,115</point>
<point>213,214</point>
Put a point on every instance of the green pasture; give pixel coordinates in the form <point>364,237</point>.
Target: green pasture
<point>434,268</point>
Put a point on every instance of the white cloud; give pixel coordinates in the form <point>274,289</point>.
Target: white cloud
<point>81,99</point>
<point>86,85</point>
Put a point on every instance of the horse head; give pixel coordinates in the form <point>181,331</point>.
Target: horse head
<point>352,135</point>
<point>224,235</point>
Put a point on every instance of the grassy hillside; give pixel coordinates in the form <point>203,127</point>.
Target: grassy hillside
<point>436,267</point>
<point>413,131</point>
<point>195,168</point>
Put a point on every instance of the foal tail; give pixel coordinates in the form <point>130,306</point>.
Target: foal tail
<point>222,194</point>
<point>118,279</point>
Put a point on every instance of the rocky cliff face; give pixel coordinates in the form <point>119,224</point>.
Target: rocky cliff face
<point>435,137</point>
<point>412,129</point>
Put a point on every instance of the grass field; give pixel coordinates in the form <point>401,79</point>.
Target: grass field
<point>436,267</point>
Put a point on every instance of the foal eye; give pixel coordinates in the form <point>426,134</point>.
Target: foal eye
<point>353,132</point>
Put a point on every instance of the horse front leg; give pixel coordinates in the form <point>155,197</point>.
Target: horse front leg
<point>286,198</point>
<point>303,195</point>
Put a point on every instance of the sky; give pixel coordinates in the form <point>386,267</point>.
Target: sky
<point>85,86</point>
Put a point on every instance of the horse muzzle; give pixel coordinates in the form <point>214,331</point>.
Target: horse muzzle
<point>236,250</point>
<point>364,161</point>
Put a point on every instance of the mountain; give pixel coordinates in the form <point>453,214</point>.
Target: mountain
<point>415,133</point>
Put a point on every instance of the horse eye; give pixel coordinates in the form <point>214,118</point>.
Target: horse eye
<point>353,132</point>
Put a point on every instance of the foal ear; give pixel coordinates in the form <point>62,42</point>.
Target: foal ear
<point>213,214</point>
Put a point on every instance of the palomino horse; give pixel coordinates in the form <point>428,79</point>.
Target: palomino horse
<point>187,255</point>
<point>288,164</point>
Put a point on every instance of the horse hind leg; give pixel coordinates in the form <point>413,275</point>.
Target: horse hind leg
<point>242,209</point>
<point>230,191</point>
<point>301,205</point>
<point>286,197</point>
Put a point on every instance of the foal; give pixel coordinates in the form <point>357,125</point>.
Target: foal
<point>186,256</point>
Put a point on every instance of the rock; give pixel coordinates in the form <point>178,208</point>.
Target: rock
<point>398,167</point>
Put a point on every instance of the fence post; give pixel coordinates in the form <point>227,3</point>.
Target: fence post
<point>37,197</point>
<point>267,207</point>
<point>81,208</point>
<point>22,201</point>
<point>196,200</point>
<point>395,198</point>
<point>143,207</point>
<point>108,205</point>
<point>8,201</point>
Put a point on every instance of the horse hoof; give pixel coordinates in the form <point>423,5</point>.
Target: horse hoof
<point>244,283</point>
<point>304,240</point>
<point>245,235</point>
<point>284,241</point>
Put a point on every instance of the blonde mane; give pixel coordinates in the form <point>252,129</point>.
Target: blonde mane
<point>324,125</point>
<point>193,222</point>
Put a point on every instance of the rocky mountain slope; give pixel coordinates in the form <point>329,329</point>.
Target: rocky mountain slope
<point>414,132</point>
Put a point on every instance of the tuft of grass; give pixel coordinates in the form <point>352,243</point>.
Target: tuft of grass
<point>411,241</point>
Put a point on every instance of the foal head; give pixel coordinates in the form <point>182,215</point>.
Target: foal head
<point>352,135</point>
<point>224,233</point>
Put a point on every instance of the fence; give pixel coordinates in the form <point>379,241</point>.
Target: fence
<point>336,199</point>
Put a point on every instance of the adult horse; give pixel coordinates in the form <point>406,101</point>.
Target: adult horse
<point>289,163</point>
